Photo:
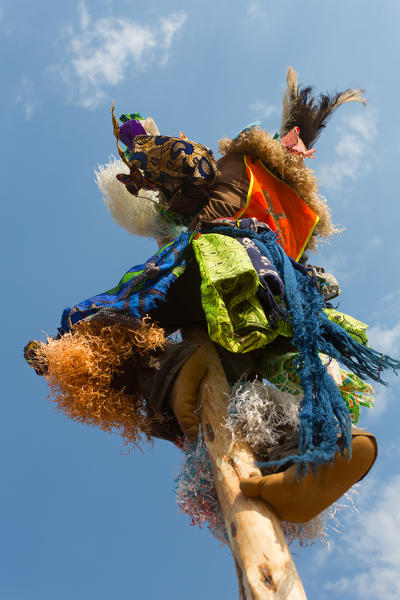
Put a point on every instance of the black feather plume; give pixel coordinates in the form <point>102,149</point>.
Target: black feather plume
<point>310,114</point>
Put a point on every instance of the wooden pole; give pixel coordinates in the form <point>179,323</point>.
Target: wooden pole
<point>264,564</point>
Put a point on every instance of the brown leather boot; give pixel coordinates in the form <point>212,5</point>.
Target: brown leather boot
<point>183,397</point>
<point>299,500</point>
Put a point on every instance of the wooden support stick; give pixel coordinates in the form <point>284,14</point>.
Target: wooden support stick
<point>263,561</point>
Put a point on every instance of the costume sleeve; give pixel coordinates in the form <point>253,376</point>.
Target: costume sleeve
<point>223,198</point>
<point>155,379</point>
<point>229,192</point>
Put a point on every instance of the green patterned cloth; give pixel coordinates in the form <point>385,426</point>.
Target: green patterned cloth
<point>356,392</point>
<point>235,317</point>
<point>281,372</point>
<point>357,329</point>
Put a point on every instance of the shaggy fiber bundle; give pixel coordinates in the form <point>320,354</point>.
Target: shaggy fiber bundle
<point>81,366</point>
<point>194,485</point>
<point>306,534</point>
<point>288,167</point>
<point>195,490</point>
<point>318,528</point>
<point>137,214</point>
<point>259,414</point>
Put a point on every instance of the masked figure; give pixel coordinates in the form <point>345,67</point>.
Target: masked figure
<point>234,237</point>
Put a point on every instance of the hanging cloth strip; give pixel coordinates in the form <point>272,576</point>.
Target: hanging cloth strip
<point>271,290</point>
<point>274,202</point>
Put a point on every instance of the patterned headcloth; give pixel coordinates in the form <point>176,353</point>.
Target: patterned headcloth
<point>158,161</point>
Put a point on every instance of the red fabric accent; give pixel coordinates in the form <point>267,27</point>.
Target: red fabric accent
<point>292,142</point>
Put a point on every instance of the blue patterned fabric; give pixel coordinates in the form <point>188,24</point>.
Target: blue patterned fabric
<point>271,291</point>
<point>139,289</point>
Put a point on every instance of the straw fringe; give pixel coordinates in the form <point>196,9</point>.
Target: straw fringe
<point>81,366</point>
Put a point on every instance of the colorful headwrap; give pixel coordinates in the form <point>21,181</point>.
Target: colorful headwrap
<point>162,162</point>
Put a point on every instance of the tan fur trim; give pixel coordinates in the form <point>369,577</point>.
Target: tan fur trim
<point>288,167</point>
<point>81,367</point>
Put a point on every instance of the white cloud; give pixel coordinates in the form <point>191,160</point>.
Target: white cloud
<point>26,96</point>
<point>29,110</point>
<point>386,309</point>
<point>372,544</point>
<point>263,110</point>
<point>256,9</point>
<point>386,340</point>
<point>381,403</point>
<point>84,16</point>
<point>170,26</point>
<point>353,151</point>
<point>102,51</point>
<point>392,297</point>
<point>6,27</point>
<point>375,242</point>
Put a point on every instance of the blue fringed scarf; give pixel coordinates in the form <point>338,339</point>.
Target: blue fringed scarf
<point>323,415</point>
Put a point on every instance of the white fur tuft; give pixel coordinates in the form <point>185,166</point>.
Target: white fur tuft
<point>137,214</point>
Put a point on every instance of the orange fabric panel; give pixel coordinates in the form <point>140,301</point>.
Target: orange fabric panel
<point>275,203</point>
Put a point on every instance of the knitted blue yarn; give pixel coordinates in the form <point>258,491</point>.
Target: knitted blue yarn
<point>323,414</point>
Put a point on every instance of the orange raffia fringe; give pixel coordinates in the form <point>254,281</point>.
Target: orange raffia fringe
<point>81,366</point>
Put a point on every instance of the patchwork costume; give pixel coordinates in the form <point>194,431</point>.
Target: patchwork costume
<point>238,269</point>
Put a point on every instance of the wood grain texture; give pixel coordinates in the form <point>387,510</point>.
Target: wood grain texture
<point>263,560</point>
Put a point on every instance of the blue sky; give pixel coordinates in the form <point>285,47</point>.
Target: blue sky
<point>79,517</point>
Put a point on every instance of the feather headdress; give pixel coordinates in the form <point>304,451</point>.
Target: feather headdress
<point>310,114</point>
